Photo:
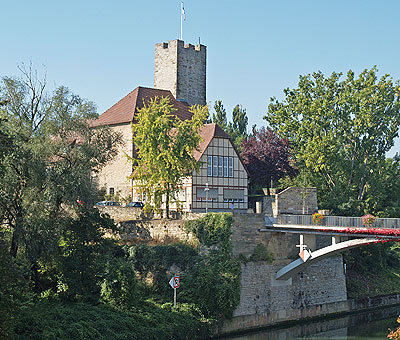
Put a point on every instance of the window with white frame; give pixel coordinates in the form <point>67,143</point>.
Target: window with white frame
<point>219,166</point>
<point>230,167</point>
<point>209,166</point>
<point>225,166</point>
<point>215,166</point>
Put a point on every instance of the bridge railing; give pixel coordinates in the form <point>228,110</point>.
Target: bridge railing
<point>338,221</point>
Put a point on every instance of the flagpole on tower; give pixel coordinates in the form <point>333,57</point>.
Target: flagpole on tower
<point>183,17</point>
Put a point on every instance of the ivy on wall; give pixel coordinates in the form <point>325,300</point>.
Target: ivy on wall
<point>210,279</point>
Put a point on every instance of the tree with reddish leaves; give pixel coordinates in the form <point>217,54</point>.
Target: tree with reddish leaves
<point>267,157</point>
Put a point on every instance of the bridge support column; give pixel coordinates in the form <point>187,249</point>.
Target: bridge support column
<point>310,241</point>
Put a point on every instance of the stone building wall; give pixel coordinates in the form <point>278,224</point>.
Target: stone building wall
<point>156,230</point>
<point>114,175</point>
<point>321,283</point>
<point>133,226</point>
<point>295,200</point>
<point>181,69</point>
<point>319,290</point>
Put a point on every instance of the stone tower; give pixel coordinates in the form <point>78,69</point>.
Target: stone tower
<point>182,70</point>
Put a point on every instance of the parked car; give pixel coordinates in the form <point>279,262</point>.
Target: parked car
<point>108,203</point>
<point>136,204</point>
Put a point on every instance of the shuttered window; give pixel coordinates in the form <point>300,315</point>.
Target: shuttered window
<point>201,194</point>
<point>234,195</point>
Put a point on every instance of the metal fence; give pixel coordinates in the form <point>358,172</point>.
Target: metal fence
<point>338,221</point>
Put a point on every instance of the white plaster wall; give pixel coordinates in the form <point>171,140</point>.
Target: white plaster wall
<point>114,174</point>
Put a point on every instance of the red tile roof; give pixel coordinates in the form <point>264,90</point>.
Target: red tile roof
<point>207,133</point>
<point>124,110</point>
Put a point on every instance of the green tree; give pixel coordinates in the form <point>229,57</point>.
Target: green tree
<point>219,117</point>
<point>84,254</point>
<point>165,149</point>
<point>340,131</point>
<point>237,129</point>
<point>385,200</point>
<point>47,167</point>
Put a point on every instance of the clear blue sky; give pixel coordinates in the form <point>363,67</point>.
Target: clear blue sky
<point>102,50</point>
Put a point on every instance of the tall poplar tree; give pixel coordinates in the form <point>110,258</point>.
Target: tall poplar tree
<point>165,147</point>
<point>219,117</point>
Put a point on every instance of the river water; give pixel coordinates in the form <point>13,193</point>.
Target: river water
<point>372,325</point>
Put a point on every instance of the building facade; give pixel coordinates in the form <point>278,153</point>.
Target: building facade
<point>180,74</point>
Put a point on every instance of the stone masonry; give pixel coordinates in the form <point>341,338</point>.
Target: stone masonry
<point>295,200</point>
<point>319,290</point>
<point>181,69</point>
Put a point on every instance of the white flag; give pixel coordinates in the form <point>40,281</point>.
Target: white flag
<point>183,12</point>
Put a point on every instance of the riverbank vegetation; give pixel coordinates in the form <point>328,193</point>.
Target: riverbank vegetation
<point>60,278</point>
<point>373,270</point>
<point>93,288</point>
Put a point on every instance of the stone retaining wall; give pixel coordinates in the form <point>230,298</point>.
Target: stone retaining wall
<point>265,301</point>
<point>254,321</point>
<point>160,230</point>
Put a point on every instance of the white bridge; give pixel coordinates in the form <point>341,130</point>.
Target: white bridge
<point>360,236</point>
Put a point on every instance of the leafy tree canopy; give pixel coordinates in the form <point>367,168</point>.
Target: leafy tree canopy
<point>47,167</point>
<point>339,130</point>
<point>267,157</point>
<point>165,147</point>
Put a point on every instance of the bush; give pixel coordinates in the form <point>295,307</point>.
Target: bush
<point>214,283</point>
<point>119,287</point>
<point>13,290</point>
<point>49,321</point>
<point>260,253</point>
<point>152,264</point>
<point>213,230</point>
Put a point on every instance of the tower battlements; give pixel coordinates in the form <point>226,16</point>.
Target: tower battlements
<point>180,43</point>
<point>181,68</point>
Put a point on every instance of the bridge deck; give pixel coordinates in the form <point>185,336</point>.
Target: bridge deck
<point>360,237</point>
<point>380,233</point>
<point>337,221</point>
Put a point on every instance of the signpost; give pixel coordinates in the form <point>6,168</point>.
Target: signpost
<point>206,189</point>
<point>174,283</point>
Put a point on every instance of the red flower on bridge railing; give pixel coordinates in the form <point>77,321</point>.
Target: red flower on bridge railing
<point>368,220</point>
<point>380,233</point>
<point>317,218</point>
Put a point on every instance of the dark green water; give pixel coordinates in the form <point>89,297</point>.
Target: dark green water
<point>370,326</point>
